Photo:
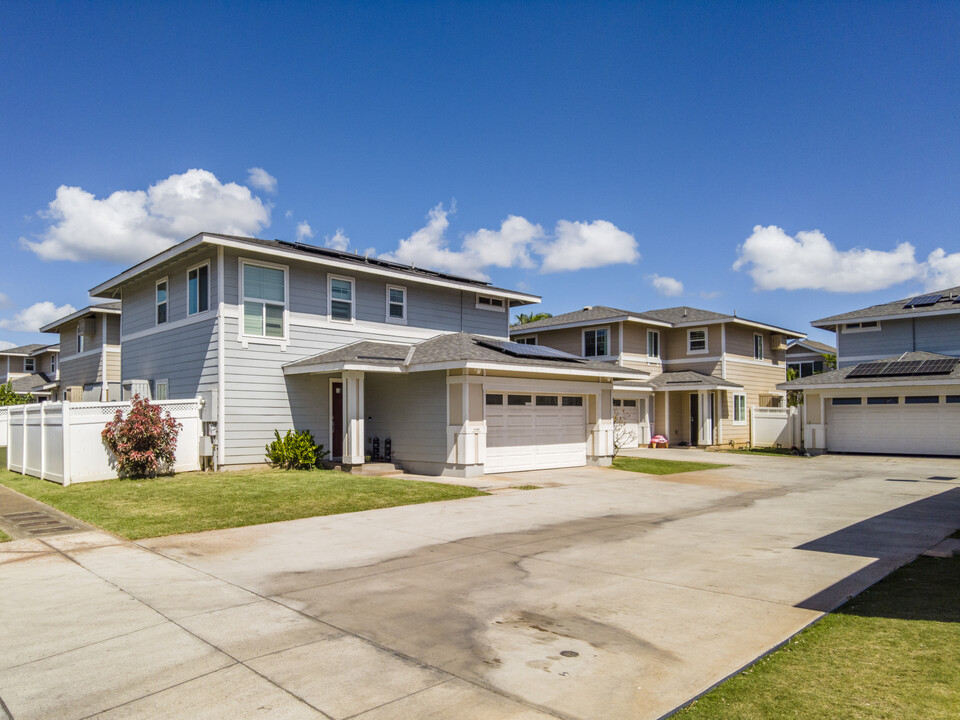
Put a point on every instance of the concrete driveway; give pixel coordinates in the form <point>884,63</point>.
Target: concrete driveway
<point>606,595</point>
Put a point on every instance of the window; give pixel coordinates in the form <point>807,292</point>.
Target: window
<point>29,365</point>
<point>595,343</point>
<point>953,398</point>
<point>572,401</point>
<point>53,363</point>
<point>264,300</point>
<point>617,402</point>
<point>529,340</point>
<point>845,401</point>
<point>494,399</point>
<point>806,369</point>
<point>198,290</point>
<point>161,301</point>
<point>757,346</point>
<point>739,409</point>
<point>341,299</point>
<point>486,302</point>
<point>864,326</point>
<point>396,304</point>
<point>883,400</point>
<point>80,341</point>
<point>547,400</point>
<point>519,399</point>
<point>629,403</point>
<point>653,343</point>
<point>161,390</point>
<point>922,399</point>
<point>697,341</point>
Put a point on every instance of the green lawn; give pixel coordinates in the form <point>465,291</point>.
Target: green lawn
<point>779,452</point>
<point>191,502</point>
<point>891,652</point>
<point>655,466</point>
<point>4,537</point>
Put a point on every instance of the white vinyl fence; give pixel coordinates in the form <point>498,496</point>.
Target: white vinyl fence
<point>772,427</point>
<point>61,441</point>
<point>3,426</point>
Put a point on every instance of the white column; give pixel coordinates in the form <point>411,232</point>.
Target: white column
<point>354,438</point>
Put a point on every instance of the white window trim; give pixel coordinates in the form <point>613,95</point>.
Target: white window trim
<point>81,345</point>
<point>583,341</point>
<point>190,270</point>
<point>30,360</point>
<point>53,364</point>
<point>242,337</point>
<point>156,388</point>
<point>742,420</point>
<point>157,304</point>
<point>353,299</point>
<point>755,336</point>
<point>400,320</point>
<point>659,354</point>
<point>845,330</point>
<point>706,341</point>
<point>492,308</point>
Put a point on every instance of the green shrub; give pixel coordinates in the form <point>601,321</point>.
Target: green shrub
<point>143,441</point>
<point>295,451</point>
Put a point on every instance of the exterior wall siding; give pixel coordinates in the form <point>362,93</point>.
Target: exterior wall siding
<point>570,340</point>
<point>79,371</point>
<point>185,356</point>
<point>410,410</point>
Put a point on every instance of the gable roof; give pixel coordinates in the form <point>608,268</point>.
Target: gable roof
<point>450,350</point>
<point>110,308</point>
<point>682,316</point>
<point>812,345</point>
<point>689,379</point>
<point>839,378</point>
<point>30,350</point>
<point>347,262</point>
<point>895,309</point>
<point>32,384</point>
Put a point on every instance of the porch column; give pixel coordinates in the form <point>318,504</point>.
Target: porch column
<point>353,416</point>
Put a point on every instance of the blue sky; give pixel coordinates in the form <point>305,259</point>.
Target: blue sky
<point>592,153</point>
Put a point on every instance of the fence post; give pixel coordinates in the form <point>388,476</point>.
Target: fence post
<point>23,454</point>
<point>65,428</point>
<point>753,420</point>
<point>43,440</point>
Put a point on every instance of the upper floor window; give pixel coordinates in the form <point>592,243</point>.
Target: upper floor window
<point>529,340</point>
<point>396,304</point>
<point>653,343</point>
<point>53,363</point>
<point>697,341</point>
<point>864,326</point>
<point>198,289</point>
<point>341,299</point>
<point>595,343</point>
<point>80,340</point>
<point>264,292</point>
<point>161,301</point>
<point>805,368</point>
<point>757,346</point>
<point>29,365</point>
<point>486,302</point>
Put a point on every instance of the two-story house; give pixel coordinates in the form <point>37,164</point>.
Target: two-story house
<point>808,357</point>
<point>896,388</point>
<point>89,353</point>
<point>31,369</point>
<point>276,335</point>
<point>706,368</point>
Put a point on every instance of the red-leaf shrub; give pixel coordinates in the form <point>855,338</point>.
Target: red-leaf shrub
<point>144,441</point>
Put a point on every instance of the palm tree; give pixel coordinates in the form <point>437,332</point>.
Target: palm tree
<point>523,319</point>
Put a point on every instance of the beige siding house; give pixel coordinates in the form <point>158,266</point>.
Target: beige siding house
<point>31,369</point>
<point>706,369</point>
<point>89,353</point>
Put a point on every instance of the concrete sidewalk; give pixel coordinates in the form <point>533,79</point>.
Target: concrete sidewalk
<point>610,595</point>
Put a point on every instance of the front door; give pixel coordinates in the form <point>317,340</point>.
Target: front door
<point>336,417</point>
<point>694,419</point>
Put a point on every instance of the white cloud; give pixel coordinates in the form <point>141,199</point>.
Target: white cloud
<point>304,231</point>
<point>427,248</point>
<point>507,247</point>
<point>339,241</point>
<point>666,286</point>
<point>580,245</point>
<point>776,261</point>
<point>941,271</point>
<point>31,319</point>
<point>131,225</point>
<point>261,179</point>
<point>6,344</point>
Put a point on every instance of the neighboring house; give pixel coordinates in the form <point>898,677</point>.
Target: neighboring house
<point>806,357</point>
<point>31,369</point>
<point>897,386</point>
<point>707,369</point>
<point>89,353</point>
<point>276,335</point>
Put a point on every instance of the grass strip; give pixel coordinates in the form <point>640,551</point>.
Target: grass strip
<point>192,502</point>
<point>656,466</point>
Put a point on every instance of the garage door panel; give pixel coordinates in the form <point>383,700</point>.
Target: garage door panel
<point>921,429</point>
<point>535,437</point>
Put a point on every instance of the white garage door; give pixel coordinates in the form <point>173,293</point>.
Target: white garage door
<point>629,423</point>
<point>911,426</point>
<point>534,432</point>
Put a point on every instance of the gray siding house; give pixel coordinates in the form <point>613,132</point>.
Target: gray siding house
<point>896,388</point>
<point>31,369</point>
<point>89,354</point>
<point>276,336</point>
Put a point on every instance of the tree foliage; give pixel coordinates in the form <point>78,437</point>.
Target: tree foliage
<point>143,442</point>
<point>9,397</point>
<point>524,318</point>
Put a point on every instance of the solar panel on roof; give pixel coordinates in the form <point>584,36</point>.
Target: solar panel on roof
<point>902,367</point>
<point>924,300</point>
<point>528,351</point>
<point>870,369</point>
<point>940,366</point>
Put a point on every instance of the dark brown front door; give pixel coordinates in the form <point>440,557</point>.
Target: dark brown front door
<point>336,413</point>
<point>694,419</point>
